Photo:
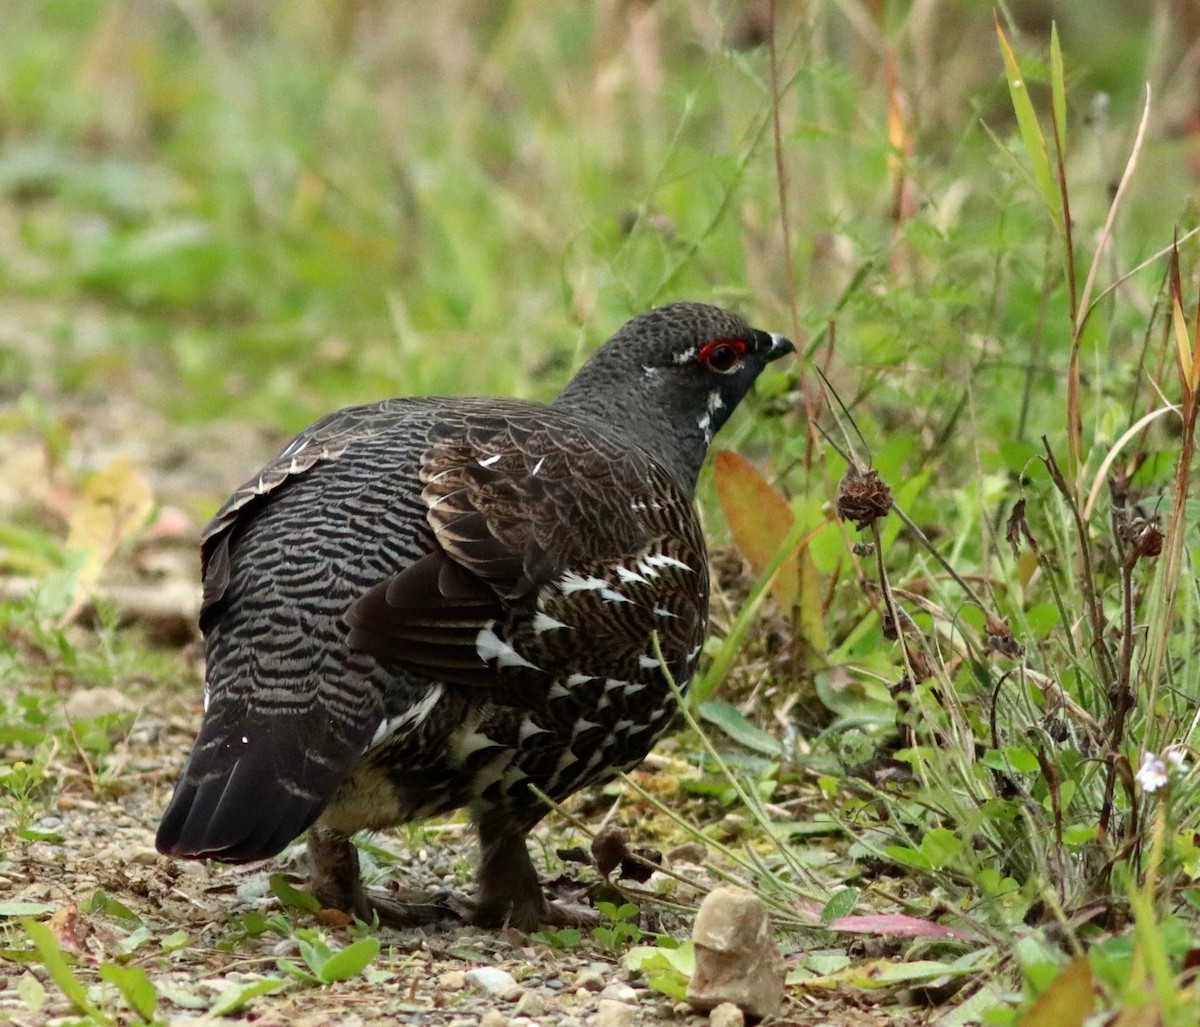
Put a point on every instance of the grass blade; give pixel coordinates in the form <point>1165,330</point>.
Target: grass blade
<point>1058,92</point>
<point>1031,132</point>
<point>56,966</point>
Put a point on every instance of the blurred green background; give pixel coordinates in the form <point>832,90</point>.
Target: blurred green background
<point>259,211</point>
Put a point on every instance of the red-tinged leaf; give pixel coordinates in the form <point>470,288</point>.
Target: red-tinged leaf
<point>760,519</point>
<point>894,925</point>
<point>71,931</point>
<point>1066,1002</point>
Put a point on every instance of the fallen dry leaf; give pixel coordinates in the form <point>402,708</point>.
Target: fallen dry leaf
<point>116,502</point>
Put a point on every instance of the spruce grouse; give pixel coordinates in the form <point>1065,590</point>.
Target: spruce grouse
<point>422,605</point>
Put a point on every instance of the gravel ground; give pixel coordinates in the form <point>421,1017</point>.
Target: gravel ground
<point>103,829</point>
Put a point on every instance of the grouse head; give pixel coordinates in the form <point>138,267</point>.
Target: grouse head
<point>671,377</point>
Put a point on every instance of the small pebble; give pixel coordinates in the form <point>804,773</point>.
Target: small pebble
<point>492,980</point>
<point>688,852</point>
<point>531,1004</point>
<point>613,1014</point>
<point>144,855</point>
<point>555,984</point>
<point>452,980</point>
<point>590,980</point>
<point>726,1015</point>
<point>619,993</point>
<point>493,1018</point>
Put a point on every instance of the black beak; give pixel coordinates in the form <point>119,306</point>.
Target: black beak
<point>774,345</point>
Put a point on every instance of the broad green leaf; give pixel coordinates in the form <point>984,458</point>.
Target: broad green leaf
<point>839,905</point>
<point>1079,834</point>
<point>173,941</point>
<point>135,940</point>
<point>293,968</point>
<point>730,720</point>
<point>1013,759</point>
<point>315,952</point>
<point>31,992</point>
<point>940,846</point>
<point>351,960</point>
<point>667,969</point>
<point>232,999</point>
<point>134,986</point>
<point>291,896</point>
<point>17,908</point>
<point>882,973</point>
<point>106,904</point>
<point>908,857</point>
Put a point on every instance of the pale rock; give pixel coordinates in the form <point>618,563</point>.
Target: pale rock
<point>493,1018</point>
<point>590,979</point>
<point>726,1015</point>
<point>613,1014</point>
<point>491,979</point>
<point>452,980</point>
<point>143,855</point>
<point>737,960</point>
<point>531,1004</point>
<point>618,992</point>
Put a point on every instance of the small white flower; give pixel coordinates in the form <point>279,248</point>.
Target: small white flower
<point>1152,774</point>
<point>1176,755</point>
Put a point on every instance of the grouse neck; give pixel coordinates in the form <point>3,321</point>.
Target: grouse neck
<point>677,443</point>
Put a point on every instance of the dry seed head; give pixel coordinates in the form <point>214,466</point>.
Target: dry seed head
<point>862,497</point>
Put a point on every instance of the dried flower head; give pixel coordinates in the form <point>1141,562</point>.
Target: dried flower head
<point>862,497</point>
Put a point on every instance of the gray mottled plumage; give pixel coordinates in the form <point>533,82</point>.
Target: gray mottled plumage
<point>428,604</point>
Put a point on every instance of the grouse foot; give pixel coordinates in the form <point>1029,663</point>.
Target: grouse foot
<point>337,884</point>
<point>509,894</point>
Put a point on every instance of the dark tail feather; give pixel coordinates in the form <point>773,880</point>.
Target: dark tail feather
<point>238,817</point>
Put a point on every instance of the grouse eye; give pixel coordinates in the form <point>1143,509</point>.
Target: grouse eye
<point>723,356</point>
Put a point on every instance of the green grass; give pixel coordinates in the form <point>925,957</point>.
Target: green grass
<point>228,221</point>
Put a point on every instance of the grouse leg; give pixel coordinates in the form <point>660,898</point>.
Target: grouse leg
<point>508,891</point>
<point>337,884</point>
